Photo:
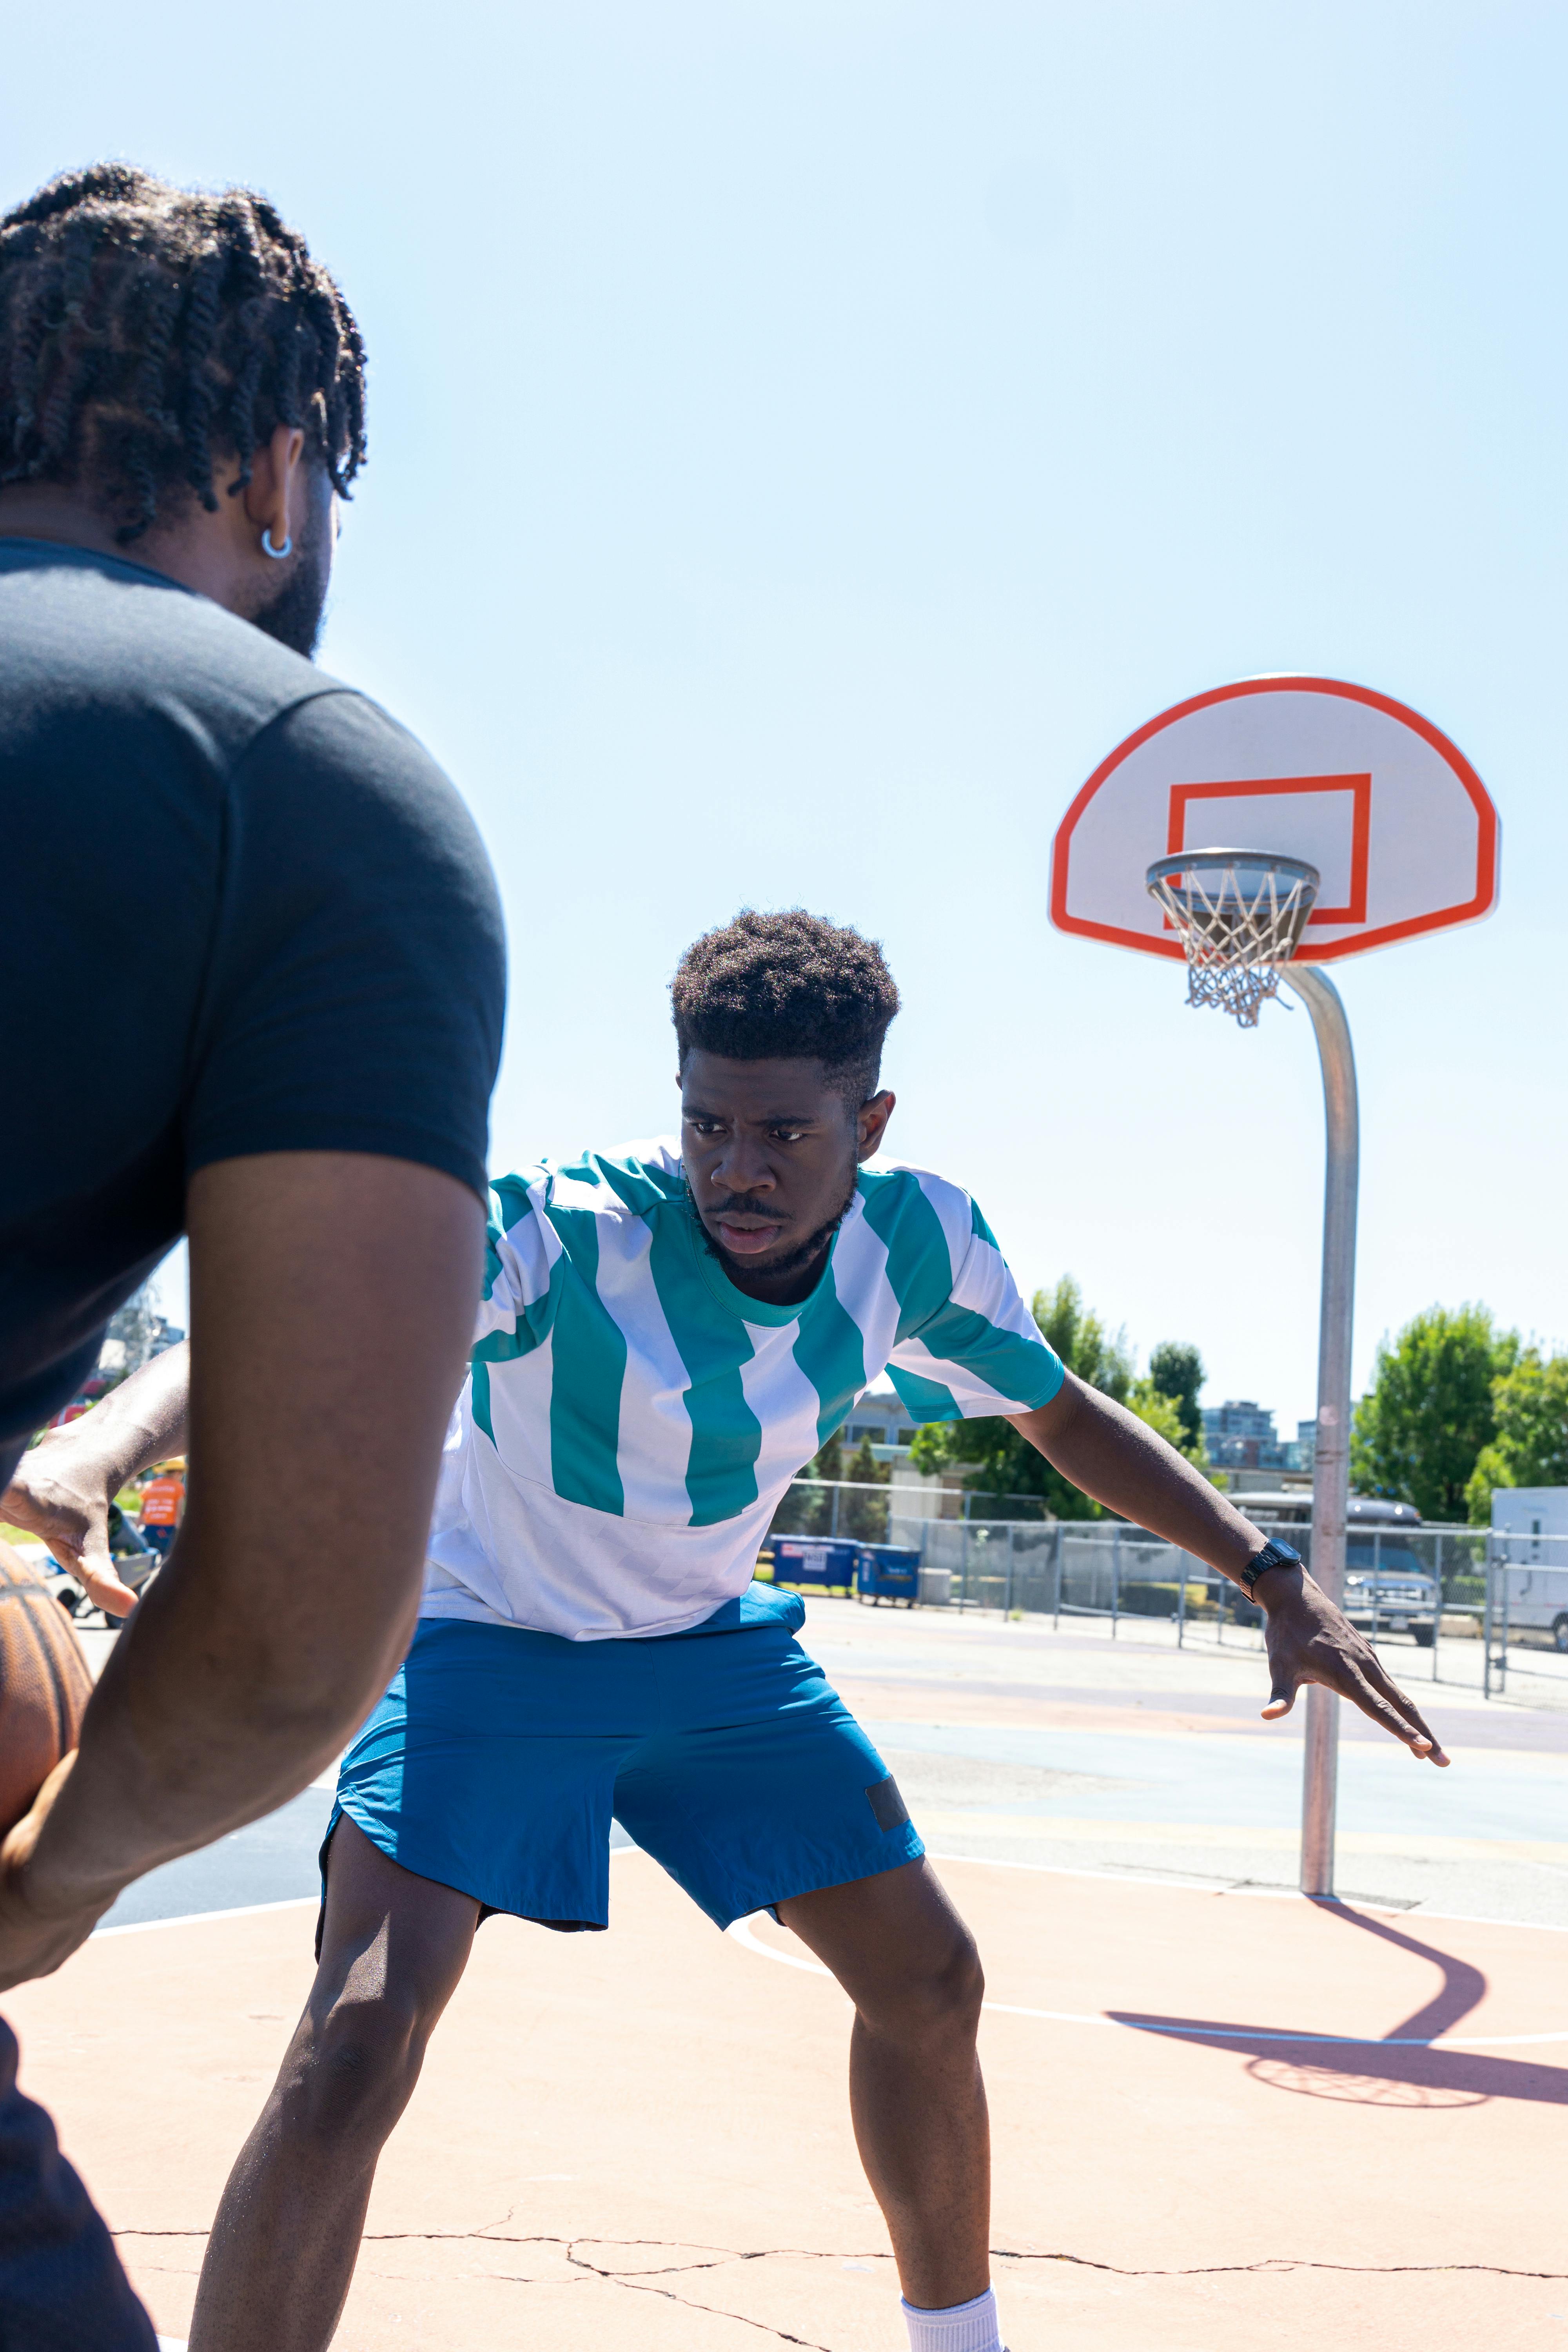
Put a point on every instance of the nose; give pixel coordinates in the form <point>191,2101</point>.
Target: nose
<point>741,1167</point>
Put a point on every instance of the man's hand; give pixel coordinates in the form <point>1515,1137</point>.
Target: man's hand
<point>1113,1456</point>
<point>1311,1640</point>
<point>64,1487</point>
<point>32,1945</point>
<point>62,1493</point>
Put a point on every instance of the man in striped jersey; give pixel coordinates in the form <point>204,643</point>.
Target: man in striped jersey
<point>668,1333</point>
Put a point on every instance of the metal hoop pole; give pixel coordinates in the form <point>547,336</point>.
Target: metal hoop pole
<point>1331,1461</point>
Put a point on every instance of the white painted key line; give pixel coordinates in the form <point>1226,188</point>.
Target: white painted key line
<point>741,1929</point>
<point>743,1934</point>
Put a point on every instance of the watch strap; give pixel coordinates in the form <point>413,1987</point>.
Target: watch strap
<point>1274,1554</point>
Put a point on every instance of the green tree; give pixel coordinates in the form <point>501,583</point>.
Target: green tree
<point>1163,1415</point>
<point>1421,1427</point>
<point>807,1506</point>
<point>1176,1371</point>
<point>1531,1449</point>
<point>1102,1358</point>
<point>864,1516</point>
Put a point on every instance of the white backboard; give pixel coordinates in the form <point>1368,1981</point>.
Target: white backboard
<point>1394,818</point>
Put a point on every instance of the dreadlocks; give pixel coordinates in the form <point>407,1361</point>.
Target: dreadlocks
<point>145,327</point>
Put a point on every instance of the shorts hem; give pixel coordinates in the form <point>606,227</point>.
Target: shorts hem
<point>847,1872</point>
<point>492,1900</point>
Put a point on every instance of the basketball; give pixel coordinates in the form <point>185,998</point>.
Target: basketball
<point>45,1685</point>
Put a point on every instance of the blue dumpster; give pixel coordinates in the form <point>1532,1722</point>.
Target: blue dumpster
<point>815,1563</point>
<point>888,1573</point>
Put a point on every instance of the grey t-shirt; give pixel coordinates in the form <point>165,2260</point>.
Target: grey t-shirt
<point>243,911</point>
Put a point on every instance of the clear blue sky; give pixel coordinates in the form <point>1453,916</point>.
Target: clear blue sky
<point>806,437</point>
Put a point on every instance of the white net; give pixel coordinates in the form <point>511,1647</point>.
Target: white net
<point>1241,914</point>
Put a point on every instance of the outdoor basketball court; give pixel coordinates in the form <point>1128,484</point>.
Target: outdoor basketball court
<point>639,2140</point>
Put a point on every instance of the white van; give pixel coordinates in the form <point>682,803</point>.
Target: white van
<point>1531,1528</point>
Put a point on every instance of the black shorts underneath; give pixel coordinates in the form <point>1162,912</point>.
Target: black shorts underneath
<point>61,2287</point>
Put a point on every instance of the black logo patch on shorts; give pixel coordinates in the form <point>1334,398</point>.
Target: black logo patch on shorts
<point>887,1804</point>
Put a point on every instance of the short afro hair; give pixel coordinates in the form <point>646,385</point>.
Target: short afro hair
<point>786,987</point>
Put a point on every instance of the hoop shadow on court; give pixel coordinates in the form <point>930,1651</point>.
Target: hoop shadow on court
<point>1400,2069</point>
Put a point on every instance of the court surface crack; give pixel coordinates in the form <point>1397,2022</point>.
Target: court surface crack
<point>713,2258</point>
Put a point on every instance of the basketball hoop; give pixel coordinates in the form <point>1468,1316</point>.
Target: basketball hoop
<point>1241,913</point>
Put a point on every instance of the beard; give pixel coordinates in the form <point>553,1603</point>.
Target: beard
<point>794,1261</point>
<point>295,614</point>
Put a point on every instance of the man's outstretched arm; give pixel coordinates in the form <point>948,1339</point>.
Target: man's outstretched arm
<point>64,1484</point>
<point>1121,1463</point>
<point>332,1299</point>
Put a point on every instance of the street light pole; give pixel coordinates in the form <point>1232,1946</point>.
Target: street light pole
<point>1331,1471</point>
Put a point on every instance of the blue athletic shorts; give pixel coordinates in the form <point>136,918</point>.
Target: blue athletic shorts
<point>498,1758</point>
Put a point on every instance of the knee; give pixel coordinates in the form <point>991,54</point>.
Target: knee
<point>936,2001</point>
<point>351,2072</point>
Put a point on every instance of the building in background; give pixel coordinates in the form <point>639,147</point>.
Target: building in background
<point>136,1334</point>
<point>1241,1435</point>
<point>881,1415</point>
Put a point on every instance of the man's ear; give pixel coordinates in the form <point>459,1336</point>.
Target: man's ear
<point>274,497</point>
<point>871,1122</point>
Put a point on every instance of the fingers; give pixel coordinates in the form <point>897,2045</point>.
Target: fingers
<point>101,1579</point>
<point>1353,1683</point>
<point>1426,1745</point>
<point>1281,1697</point>
<point>105,1591</point>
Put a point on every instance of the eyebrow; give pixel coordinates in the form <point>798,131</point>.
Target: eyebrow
<point>766,1119</point>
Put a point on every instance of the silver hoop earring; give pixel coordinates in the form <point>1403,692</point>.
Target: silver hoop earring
<point>277,553</point>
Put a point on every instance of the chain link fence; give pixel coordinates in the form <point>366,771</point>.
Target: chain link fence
<point>1489,1609</point>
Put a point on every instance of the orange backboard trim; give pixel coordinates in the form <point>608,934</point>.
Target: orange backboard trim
<point>1323,951</point>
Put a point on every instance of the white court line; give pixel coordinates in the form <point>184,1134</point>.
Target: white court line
<point>245,1910</point>
<point>1257,1894</point>
<point>195,1919</point>
<point>742,1930</point>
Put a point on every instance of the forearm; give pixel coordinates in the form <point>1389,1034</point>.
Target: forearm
<point>139,1423</point>
<point>206,1717</point>
<point>267,1638</point>
<point>1118,1460</point>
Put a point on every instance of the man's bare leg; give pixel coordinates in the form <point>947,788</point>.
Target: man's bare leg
<point>287,2236</point>
<point>909,1964</point>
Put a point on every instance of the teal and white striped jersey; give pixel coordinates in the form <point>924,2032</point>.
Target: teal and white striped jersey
<point>631,1419</point>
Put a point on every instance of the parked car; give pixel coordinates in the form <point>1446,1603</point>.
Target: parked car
<point>1389,1589</point>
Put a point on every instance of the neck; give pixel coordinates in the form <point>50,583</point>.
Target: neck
<point>786,1289</point>
<point>189,553</point>
<point>38,511</point>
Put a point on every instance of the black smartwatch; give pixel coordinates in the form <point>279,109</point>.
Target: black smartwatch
<point>1274,1554</point>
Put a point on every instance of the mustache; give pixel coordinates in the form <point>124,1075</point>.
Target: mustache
<point>743,1205</point>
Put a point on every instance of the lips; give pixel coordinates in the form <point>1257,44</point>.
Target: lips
<point>748,1241</point>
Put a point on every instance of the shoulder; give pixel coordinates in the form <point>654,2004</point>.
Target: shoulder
<point>334,801</point>
<point>113,635</point>
<point>333,750</point>
<point>921,1208</point>
<point>618,1185</point>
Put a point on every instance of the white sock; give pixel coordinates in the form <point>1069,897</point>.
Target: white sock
<point>961,2328</point>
